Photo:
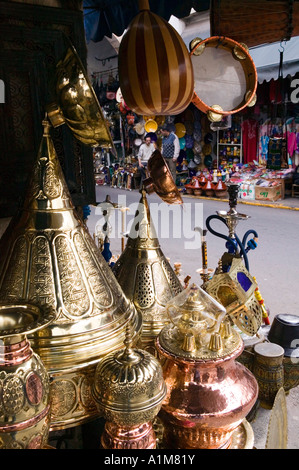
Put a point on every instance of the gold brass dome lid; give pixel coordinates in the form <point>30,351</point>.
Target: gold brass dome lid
<point>199,329</point>
<point>128,386</point>
<point>145,274</point>
<point>49,258</point>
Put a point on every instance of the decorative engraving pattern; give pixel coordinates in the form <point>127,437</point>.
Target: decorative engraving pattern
<point>52,185</point>
<point>41,283</point>
<point>144,294</point>
<point>13,397</point>
<point>64,399</point>
<point>74,293</point>
<point>172,278</point>
<point>34,389</point>
<point>13,282</point>
<point>100,288</point>
<point>162,288</point>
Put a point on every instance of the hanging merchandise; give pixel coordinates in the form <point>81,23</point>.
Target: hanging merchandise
<point>151,125</point>
<point>182,143</point>
<point>180,130</point>
<point>150,54</point>
<point>250,139</point>
<point>76,103</point>
<point>225,77</point>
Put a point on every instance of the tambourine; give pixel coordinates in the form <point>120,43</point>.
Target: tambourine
<point>225,77</point>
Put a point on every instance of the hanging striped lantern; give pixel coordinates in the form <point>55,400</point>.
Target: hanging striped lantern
<point>155,69</point>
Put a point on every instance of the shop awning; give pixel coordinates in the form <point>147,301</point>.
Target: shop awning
<point>267,59</point>
<point>108,17</point>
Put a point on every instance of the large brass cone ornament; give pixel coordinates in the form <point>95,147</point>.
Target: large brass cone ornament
<point>146,276</point>
<point>49,258</point>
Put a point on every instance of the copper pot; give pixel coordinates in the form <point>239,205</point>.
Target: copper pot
<point>208,392</point>
<point>24,381</point>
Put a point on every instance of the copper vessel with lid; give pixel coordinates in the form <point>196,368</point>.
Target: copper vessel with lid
<point>208,392</point>
<point>128,389</point>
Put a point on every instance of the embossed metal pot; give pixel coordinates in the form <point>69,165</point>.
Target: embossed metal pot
<point>24,381</point>
<point>48,257</point>
<point>208,392</point>
<point>129,389</point>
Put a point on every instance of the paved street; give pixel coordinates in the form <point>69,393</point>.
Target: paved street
<point>274,263</point>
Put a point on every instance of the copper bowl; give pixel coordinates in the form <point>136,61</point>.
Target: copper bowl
<point>161,181</point>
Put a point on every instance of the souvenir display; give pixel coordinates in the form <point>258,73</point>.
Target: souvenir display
<point>49,258</point>
<point>199,342</point>
<point>123,346</point>
<point>225,77</point>
<point>145,275</point>
<point>149,80</point>
<point>129,390</point>
<point>24,382</point>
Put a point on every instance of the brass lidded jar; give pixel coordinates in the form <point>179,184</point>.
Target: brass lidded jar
<point>24,381</point>
<point>48,257</point>
<point>129,389</point>
<point>146,276</point>
<point>209,394</point>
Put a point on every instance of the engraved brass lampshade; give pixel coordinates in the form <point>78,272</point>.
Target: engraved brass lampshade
<point>24,381</point>
<point>235,290</point>
<point>49,258</point>
<point>208,392</point>
<point>146,276</point>
<point>129,388</point>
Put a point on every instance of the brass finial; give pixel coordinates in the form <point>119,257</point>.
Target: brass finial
<point>46,124</point>
<point>129,355</point>
<point>215,342</point>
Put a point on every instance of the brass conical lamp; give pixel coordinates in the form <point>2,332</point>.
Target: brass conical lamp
<point>49,258</point>
<point>146,276</point>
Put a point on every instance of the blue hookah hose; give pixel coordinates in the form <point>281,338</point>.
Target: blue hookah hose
<point>231,243</point>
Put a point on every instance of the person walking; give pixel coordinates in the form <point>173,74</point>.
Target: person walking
<point>170,148</point>
<point>145,152</point>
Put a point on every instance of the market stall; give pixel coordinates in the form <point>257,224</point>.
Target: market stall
<point>157,361</point>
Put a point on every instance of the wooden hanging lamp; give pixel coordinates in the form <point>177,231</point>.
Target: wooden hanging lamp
<point>155,69</point>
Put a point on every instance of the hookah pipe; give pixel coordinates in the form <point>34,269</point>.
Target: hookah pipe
<point>230,219</point>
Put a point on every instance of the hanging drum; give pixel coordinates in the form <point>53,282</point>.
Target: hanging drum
<point>155,69</point>
<point>225,77</point>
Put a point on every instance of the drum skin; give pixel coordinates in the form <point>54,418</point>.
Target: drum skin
<point>241,56</point>
<point>155,68</point>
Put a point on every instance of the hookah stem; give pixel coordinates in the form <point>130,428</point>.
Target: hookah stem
<point>204,255</point>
